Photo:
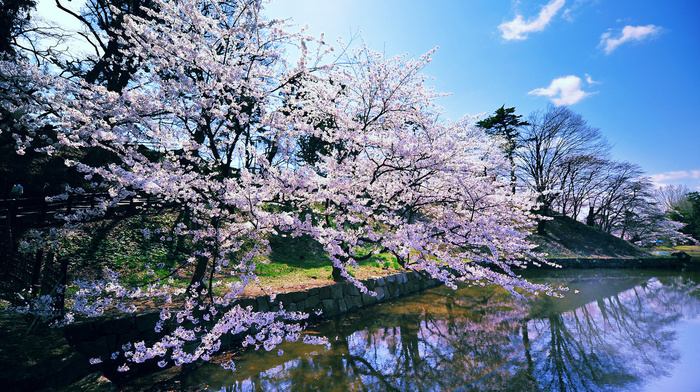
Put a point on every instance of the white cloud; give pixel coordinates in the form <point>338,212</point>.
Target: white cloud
<point>629,33</point>
<point>676,175</point>
<point>563,91</point>
<point>689,178</point>
<point>567,15</point>
<point>590,80</point>
<point>519,28</point>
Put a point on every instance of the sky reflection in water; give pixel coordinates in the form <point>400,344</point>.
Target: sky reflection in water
<point>623,331</point>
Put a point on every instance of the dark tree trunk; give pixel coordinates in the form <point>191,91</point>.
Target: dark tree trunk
<point>337,276</point>
<point>200,271</point>
<point>590,219</point>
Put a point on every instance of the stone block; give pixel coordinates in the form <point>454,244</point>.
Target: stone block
<point>285,298</point>
<point>117,326</point>
<point>369,299</point>
<point>351,302</point>
<point>337,291</point>
<point>391,289</point>
<point>150,335</point>
<point>342,306</point>
<point>263,302</point>
<point>325,292</point>
<point>77,333</point>
<point>70,370</point>
<point>246,302</point>
<point>353,291</point>
<point>146,322</point>
<point>356,302</point>
<point>114,342</point>
<point>311,302</point>
<point>314,291</point>
<point>330,307</point>
<point>381,294</point>
<point>95,348</point>
<point>299,296</point>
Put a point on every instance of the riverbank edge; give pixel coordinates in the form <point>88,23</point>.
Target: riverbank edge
<point>98,338</point>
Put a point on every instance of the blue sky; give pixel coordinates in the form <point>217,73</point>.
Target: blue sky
<point>630,67</point>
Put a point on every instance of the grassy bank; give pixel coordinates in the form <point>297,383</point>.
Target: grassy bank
<point>692,250</point>
<point>566,237</point>
<point>143,250</point>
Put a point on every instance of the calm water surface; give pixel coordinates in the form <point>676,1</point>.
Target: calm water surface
<point>621,331</point>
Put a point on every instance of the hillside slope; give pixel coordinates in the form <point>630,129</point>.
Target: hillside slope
<point>567,237</point>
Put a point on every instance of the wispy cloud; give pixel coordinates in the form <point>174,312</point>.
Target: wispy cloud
<point>590,80</point>
<point>676,175</point>
<point>689,178</point>
<point>629,33</point>
<point>563,91</point>
<point>518,28</point>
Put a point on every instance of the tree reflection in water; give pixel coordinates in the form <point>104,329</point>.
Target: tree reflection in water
<point>483,339</point>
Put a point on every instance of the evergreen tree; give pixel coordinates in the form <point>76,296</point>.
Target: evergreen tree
<point>688,213</point>
<point>505,124</point>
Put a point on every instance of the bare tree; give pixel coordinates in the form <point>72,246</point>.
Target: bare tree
<point>111,64</point>
<point>619,190</point>
<point>551,143</point>
<point>672,197</point>
<point>582,177</point>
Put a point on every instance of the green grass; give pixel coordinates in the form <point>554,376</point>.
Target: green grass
<point>566,237</point>
<point>692,250</point>
<point>298,261</point>
<point>293,262</point>
<point>122,246</point>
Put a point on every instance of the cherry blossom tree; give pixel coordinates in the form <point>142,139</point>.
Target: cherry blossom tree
<point>212,120</point>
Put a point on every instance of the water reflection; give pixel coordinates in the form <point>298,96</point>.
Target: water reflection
<point>616,334</point>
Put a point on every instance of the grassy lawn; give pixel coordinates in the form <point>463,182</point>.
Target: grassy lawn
<point>134,245</point>
<point>300,263</point>
<point>692,250</point>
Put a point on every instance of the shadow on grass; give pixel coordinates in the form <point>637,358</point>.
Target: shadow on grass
<point>299,252</point>
<point>303,253</point>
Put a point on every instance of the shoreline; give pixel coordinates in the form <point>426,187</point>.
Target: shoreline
<point>99,337</point>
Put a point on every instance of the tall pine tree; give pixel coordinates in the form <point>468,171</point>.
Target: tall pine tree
<point>505,124</point>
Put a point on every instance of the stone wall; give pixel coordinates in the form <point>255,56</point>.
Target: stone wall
<point>100,338</point>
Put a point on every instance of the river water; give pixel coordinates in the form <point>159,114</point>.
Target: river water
<point>614,330</point>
